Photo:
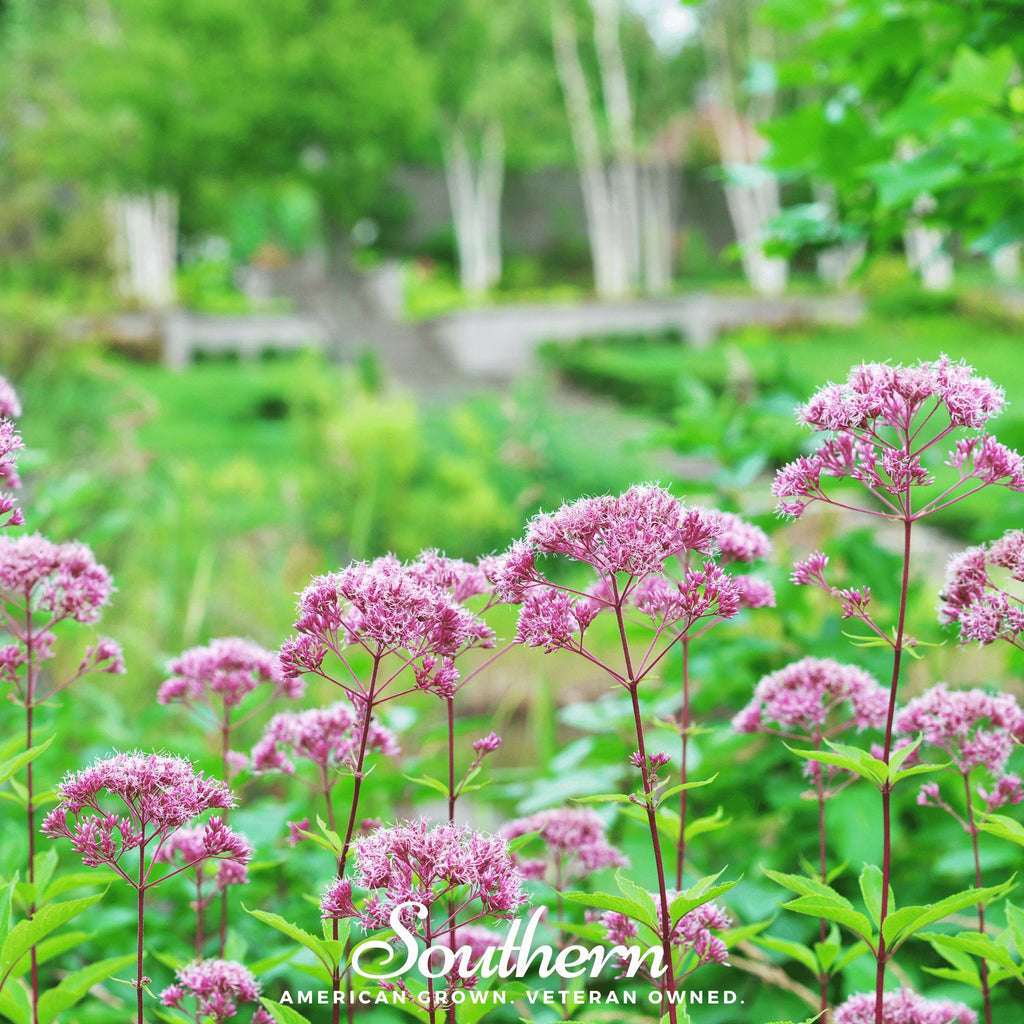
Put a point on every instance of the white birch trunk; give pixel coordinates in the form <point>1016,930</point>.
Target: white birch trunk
<point>751,205</point>
<point>145,236</point>
<point>600,202</point>
<point>656,227</point>
<point>474,191</point>
<point>1006,263</point>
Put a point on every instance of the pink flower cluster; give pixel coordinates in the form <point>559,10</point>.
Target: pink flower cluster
<point>802,697</point>
<point>904,1006</point>
<point>160,795</point>
<point>329,737</point>
<point>691,934</point>
<point>983,609</point>
<point>576,841</point>
<point>10,446</point>
<point>226,671</point>
<point>415,862</point>
<point>977,730</point>
<point>187,848</point>
<point>883,420</point>
<point>628,540</point>
<point>62,580</point>
<point>385,608</point>
<point>217,986</point>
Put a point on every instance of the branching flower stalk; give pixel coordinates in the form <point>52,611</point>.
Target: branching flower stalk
<point>41,585</point>
<point>814,700</point>
<point>626,541</point>
<point>214,682</point>
<point>388,612</point>
<point>414,863</point>
<point>130,806</point>
<point>737,541</point>
<point>885,424</point>
<point>978,731</point>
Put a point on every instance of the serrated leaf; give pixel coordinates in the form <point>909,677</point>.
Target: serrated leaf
<point>44,866</point>
<point>51,947</point>
<point>794,950</point>
<point>697,896</point>
<point>858,949</point>
<point>815,906</point>
<point>918,769</point>
<point>76,985</point>
<point>16,763</point>
<point>6,898</point>
<point>686,786</point>
<point>960,976</point>
<point>14,1010</point>
<point>1004,827</point>
<point>901,924</point>
<point>434,784</point>
<point>617,904</point>
<point>76,880</point>
<point>24,935</point>
<point>709,823</point>
<point>852,759</point>
<point>293,931</point>
<point>976,944</point>
<point>282,1014</point>
<point>515,845</point>
<point>638,894</point>
<point>1015,919</point>
<point>871,889</point>
<point>805,886</point>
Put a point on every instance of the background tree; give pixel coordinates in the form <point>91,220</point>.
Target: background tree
<point>913,117</point>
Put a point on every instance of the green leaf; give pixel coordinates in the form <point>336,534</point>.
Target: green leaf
<point>667,819</point>
<point>817,906</point>
<point>14,764</point>
<point>14,1004</point>
<point>709,823</point>
<point>1004,827</point>
<point>24,935</point>
<point>901,924</point>
<point>6,898</point>
<point>76,880</point>
<point>515,845</point>
<point>299,935</point>
<point>618,904</point>
<point>44,864</point>
<point>976,944</point>
<point>701,892</point>
<point>858,949</point>
<point>426,780</point>
<point>604,798</point>
<point>794,950</point>
<point>55,945</point>
<point>282,1014</point>
<point>685,786</point>
<point>918,769</point>
<point>803,885</point>
<point>871,890</point>
<point>638,894</point>
<point>852,759</point>
<point>1015,919</point>
<point>76,985</point>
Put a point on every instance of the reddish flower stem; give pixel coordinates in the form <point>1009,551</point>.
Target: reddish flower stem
<point>225,744</point>
<point>141,929</point>
<point>30,700</point>
<point>364,737</point>
<point>199,913</point>
<point>684,728</point>
<point>823,871</point>
<point>882,957</point>
<point>450,701</point>
<point>668,983</point>
<point>973,830</point>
